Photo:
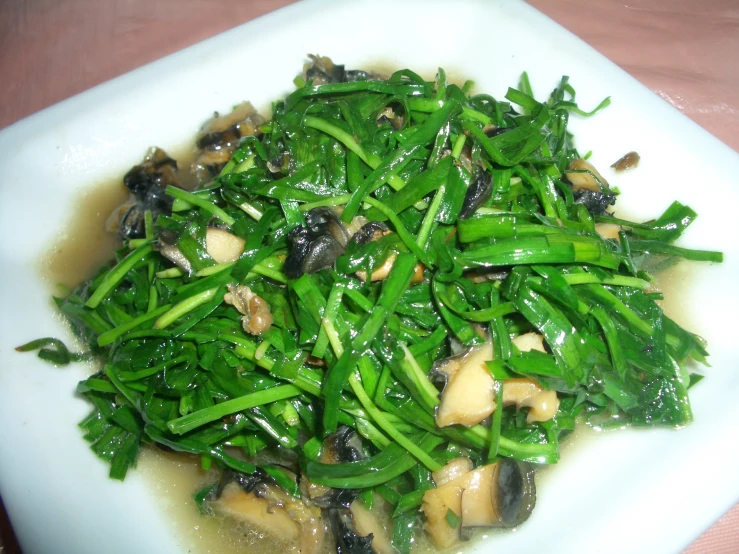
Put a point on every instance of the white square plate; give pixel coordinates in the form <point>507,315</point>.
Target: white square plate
<point>628,491</point>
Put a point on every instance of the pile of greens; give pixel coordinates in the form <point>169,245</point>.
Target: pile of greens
<point>180,372</point>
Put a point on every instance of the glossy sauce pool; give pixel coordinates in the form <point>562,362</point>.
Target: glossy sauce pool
<point>85,245</point>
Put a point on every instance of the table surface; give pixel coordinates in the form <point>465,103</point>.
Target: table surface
<point>53,49</point>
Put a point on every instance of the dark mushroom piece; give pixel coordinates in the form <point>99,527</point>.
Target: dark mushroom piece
<point>369,232</point>
<point>595,202</point>
<point>352,75</point>
<point>299,239</point>
<point>393,114</point>
<point>345,445</point>
<point>355,528</point>
<point>477,194</point>
<point>347,540</point>
<point>323,221</point>
<point>322,254</point>
<point>323,71</point>
<point>468,396</point>
<point>317,245</point>
<point>157,169</point>
<point>166,244</point>
<point>147,183</point>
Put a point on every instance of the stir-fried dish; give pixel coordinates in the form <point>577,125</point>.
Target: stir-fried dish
<point>379,311</point>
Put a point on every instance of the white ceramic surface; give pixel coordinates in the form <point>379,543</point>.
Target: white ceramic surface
<point>634,491</point>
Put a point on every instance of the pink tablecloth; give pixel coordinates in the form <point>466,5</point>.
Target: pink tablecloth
<point>684,50</point>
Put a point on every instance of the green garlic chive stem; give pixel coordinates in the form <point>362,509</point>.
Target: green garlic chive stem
<point>213,269</point>
<point>458,146</point>
<point>265,271</point>
<point>334,201</point>
<point>110,336</point>
<point>496,420</point>
<point>116,274</point>
<point>372,160</point>
<point>428,220</point>
<point>420,376</point>
<point>616,280</point>
<point>261,349</point>
<point>184,307</point>
<point>250,210</point>
<point>389,428</point>
<point>197,419</point>
<point>404,235</point>
<point>171,273</point>
<point>133,244</point>
<point>248,163</point>
<point>193,199</point>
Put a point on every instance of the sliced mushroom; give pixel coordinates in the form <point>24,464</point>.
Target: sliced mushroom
<point>498,495</point>
<point>527,393</point>
<point>608,230</point>
<point>323,71</point>
<point>167,245</point>
<point>583,175</point>
<point>242,120</point>
<point>257,512</point>
<point>366,524</point>
<point>502,494</point>
<point>436,504</point>
<point>468,396</point>
<point>530,341</point>
<point>223,246</point>
<point>381,273</point>
<point>452,470</point>
<point>627,161</point>
<point>273,511</point>
<point>257,317</point>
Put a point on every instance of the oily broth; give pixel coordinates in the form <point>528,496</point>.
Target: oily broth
<point>84,245</point>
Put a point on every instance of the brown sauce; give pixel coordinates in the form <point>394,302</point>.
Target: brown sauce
<point>84,245</point>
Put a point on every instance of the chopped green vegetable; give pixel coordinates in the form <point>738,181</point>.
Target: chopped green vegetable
<point>317,335</point>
